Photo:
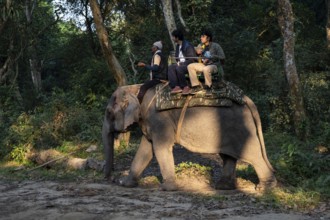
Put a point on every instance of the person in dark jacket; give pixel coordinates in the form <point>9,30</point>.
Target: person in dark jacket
<point>184,54</point>
<point>157,68</point>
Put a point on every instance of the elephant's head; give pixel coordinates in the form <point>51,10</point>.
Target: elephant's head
<point>123,110</point>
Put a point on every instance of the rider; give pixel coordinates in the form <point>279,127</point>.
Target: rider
<point>157,68</point>
<point>213,57</point>
<point>184,54</point>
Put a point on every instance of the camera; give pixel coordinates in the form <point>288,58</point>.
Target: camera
<point>207,55</point>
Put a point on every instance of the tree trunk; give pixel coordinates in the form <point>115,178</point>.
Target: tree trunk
<point>16,87</point>
<point>4,70</point>
<point>328,23</point>
<point>178,5</point>
<point>89,23</point>
<point>35,68</point>
<point>33,61</point>
<point>103,36</point>
<point>111,59</point>
<point>4,18</point>
<point>286,23</point>
<point>169,18</point>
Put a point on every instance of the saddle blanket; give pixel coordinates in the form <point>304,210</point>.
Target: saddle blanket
<point>224,93</point>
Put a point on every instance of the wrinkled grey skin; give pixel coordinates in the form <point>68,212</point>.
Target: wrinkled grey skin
<point>235,133</point>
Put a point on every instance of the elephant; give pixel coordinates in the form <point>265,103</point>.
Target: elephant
<point>233,132</point>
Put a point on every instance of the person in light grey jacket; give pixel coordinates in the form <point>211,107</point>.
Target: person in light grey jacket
<point>212,59</point>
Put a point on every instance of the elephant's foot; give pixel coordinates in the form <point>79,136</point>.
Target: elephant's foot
<point>226,184</point>
<point>169,185</point>
<point>266,184</point>
<point>128,181</point>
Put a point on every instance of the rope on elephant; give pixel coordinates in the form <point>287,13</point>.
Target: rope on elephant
<point>160,89</point>
<point>182,114</point>
<point>224,93</point>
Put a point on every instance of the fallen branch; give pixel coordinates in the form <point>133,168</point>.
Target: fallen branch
<point>48,162</point>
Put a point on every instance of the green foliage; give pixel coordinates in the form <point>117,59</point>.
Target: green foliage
<point>54,123</point>
<point>246,171</point>
<point>280,117</point>
<point>19,136</point>
<point>298,164</point>
<point>194,168</point>
<point>18,153</point>
<point>197,17</point>
<point>85,83</point>
<point>126,150</point>
<point>8,11</point>
<point>316,91</point>
<point>295,199</point>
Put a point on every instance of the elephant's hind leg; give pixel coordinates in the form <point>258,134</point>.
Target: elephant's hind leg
<point>265,174</point>
<point>228,176</point>
<point>141,160</point>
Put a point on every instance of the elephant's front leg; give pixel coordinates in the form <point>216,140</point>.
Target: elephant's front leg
<point>164,155</point>
<point>141,160</point>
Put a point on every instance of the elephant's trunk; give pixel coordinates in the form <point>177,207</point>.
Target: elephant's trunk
<point>108,143</point>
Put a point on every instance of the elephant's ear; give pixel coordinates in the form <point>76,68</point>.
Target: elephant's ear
<point>118,101</point>
<point>132,109</point>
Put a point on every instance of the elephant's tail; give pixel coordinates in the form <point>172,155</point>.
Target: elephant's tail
<point>256,117</point>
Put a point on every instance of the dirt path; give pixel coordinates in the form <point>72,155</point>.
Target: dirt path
<point>88,200</point>
<point>96,199</point>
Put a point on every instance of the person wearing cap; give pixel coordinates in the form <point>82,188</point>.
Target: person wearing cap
<point>157,69</point>
<point>184,54</point>
<point>212,59</point>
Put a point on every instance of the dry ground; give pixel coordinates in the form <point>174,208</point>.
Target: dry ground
<point>98,199</point>
<point>91,200</point>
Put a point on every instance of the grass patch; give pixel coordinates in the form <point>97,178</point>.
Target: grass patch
<point>149,181</point>
<point>292,198</point>
<point>193,169</point>
<point>211,198</point>
<point>246,171</point>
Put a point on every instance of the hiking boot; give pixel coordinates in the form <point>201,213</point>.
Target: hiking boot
<point>186,90</point>
<point>208,91</point>
<point>176,90</point>
<point>195,90</point>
